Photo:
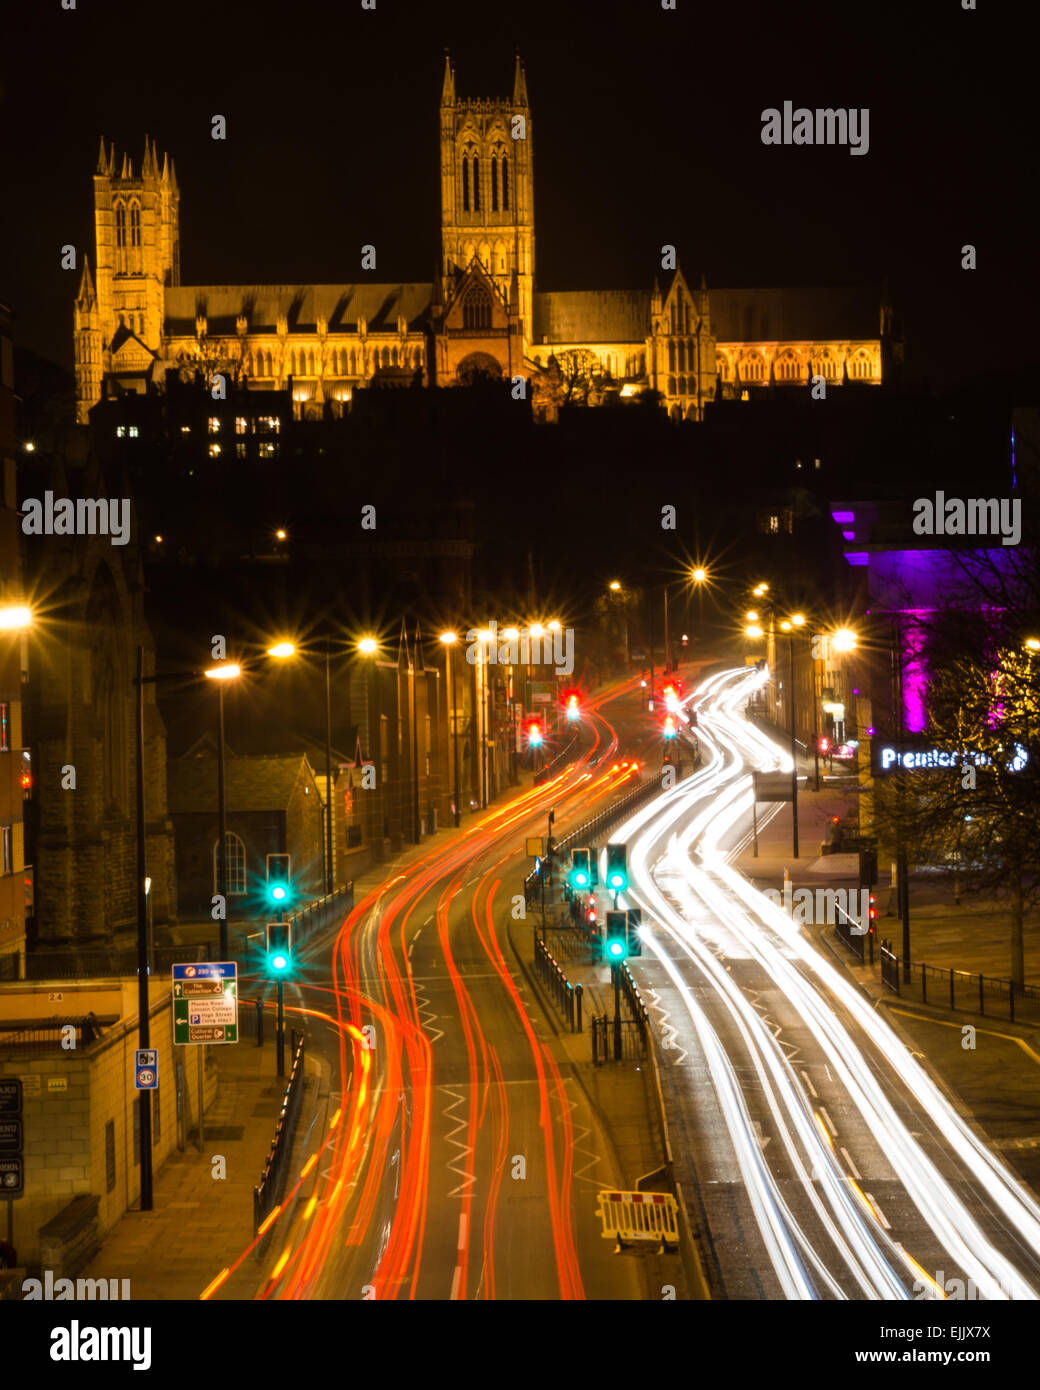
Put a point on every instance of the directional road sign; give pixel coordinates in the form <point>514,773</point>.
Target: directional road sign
<point>205,1002</point>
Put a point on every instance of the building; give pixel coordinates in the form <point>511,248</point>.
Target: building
<point>483,317</point>
<point>273,806</point>
<point>15,765</point>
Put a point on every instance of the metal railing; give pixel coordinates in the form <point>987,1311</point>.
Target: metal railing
<point>565,996</point>
<point>46,1034</point>
<point>962,990</point>
<point>272,1182</point>
<point>316,915</point>
<point>617,1039</point>
<point>634,1000</point>
<point>588,833</point>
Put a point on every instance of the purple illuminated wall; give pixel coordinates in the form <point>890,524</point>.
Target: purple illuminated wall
<point>910,585</point>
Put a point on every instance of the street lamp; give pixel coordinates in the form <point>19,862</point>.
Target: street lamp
<point>227,671</point>
<point>15,618</point>
<point>449,639</point>
<point>788,625</point>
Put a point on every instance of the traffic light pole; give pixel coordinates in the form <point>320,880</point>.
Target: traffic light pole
<point>280,1028</point>
<point>615,970</point>
<point>222,817</point>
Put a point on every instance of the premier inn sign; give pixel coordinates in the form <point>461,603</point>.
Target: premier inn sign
<point>918,757</point>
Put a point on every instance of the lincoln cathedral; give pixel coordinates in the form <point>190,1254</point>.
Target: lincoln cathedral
<point>484,317</point>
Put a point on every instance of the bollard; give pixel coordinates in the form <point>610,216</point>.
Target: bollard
<point>924,985</point>
<point>259,1023</point>
<point>578,991</point>
<point>570,1006</point>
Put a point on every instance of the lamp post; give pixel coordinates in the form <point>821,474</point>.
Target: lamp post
<point>788,625</point>
<point>511,634</point>
<point>226,671</point>
<point>484,637</point>
<point>449,639</point>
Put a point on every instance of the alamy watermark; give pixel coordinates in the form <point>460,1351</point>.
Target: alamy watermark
<point>825,906</point>
<point>522,647</point>
<point>82,516</point>
<point>64,1289</point>
<point>822,126</point>
<point>978,516</point>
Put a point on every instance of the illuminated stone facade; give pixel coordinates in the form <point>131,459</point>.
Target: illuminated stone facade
<point>482,317</point>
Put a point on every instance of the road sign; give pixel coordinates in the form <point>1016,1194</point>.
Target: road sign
<point>535,847</point>
<point>10,1136</point>
<point>205,1002</point>
<point>11,1096</point>
<point>146,1069</point>
<point>772,786</point>
<point>12,1177</point>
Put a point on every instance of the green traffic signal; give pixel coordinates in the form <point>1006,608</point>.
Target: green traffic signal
<point>617,936</point>
<point>617,868</point>
<point>279,947</point>
<point>581,873</point>
<point>279,880</point>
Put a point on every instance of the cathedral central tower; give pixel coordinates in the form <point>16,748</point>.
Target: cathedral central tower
<point>487,189</point>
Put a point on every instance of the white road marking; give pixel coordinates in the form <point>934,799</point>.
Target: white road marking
<point>808,1081</point>
<point>877,1211</point>
<point>852,1167</point>
<point>830,1122</point>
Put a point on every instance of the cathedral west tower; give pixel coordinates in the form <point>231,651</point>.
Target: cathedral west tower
<point>487,189</point>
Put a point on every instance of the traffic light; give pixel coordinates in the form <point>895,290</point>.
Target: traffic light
<point>617,868</point>
<point>669,726</point>
<point>616,948</point>
<point>634,918</point>
<point>279,882</point>
<point>573,704</point>
<point>825,743</point>
<point>581,875</point>
<point>534,734</point>
<point>590,915</point>
<point>872,913</point>
<point>279,947</point>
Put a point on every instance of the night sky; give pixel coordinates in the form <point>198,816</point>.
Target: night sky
<point>646,127</point>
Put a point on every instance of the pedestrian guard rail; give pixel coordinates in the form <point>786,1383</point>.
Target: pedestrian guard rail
<point>639,1218</point>
<point>592,830</point>
<point>272,1181</point>
<point>960,990</point>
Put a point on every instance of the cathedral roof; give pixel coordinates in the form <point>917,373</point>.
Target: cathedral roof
<point>302,306</point>
<point>591,316</point>
<point>795,315</point>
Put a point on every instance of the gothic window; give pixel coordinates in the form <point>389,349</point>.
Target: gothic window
<point>682,356</point>
<point>689,349</point>
<point>120,239</point>
<point>476,184</point>
<point>310,361</point>
<point>465,184</point>
<point>386,357</point>
<point>682,386</point>
<point>753,369</point>
<point>476,308</point>
<point>234,864</point>
<point>671,385</point>
<point>642,364</point>
<point>674,329</point>
<point>393,358</point>
<point>505,183</point>
<point>671,356</point>
<point>494,184</point>
<point>135,238</point>
<point>353,362</point>
<point>418,357</point>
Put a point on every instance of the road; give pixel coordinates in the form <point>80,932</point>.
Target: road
<point>453,1155</point>
<point>830,1163</point>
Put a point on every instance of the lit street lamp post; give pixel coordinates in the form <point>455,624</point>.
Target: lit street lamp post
<point>449,639</point>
